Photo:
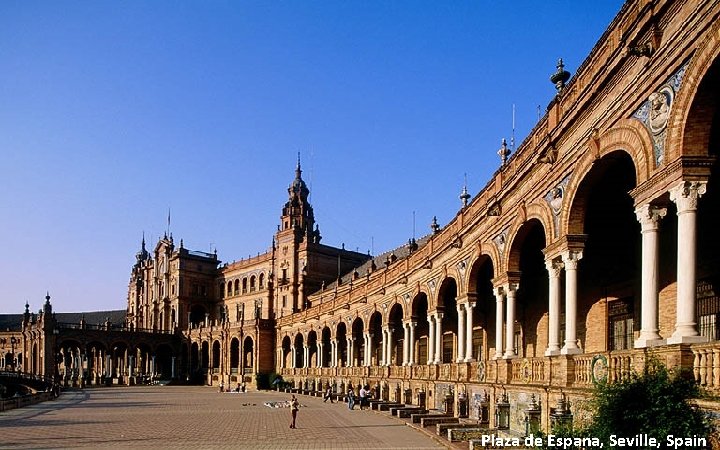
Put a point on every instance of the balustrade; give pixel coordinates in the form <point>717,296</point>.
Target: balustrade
<point>706,365</point>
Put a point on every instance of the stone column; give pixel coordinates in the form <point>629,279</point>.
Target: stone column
<point>469,331</point>
<point>386,346</point>
<point>438,338</point>
<point>319,359</point>
<point>406,342</point>
<point>499,301</point>
<point>649,217</point>
<point>570,260</point>
<point>368,349</point>
<point>390,347</point>
<point>411,344</point>
<point>686,195</point>
<point>554,268</point>
<point>350,352</point>
<point>431,339</point>
<point>333,353</point>
<point>306,356</point>
<point>460,334</point>
<point>294,357</point>
<point>510,289</point>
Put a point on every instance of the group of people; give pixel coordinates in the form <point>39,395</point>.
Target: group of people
<point>239,388</point>
<point>362,398</point>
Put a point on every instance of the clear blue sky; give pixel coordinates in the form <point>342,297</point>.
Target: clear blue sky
<point>113,112</point>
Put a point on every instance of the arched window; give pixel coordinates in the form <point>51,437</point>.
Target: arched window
<point>237,287</point>
<point>244,285</point>
<point>252,283</point>
<point>229,288</point>
<point>262,281</point>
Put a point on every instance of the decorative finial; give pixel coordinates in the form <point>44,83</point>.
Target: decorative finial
<point>298,170</point>
<point>560,77</point>
<point>47,297</point>
<point>464,196</point>
<point>434,225</point>
<point>504,152</point>
<point>27,307</point>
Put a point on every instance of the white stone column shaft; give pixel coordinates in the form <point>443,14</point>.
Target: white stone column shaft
<point>686,196</point>
<point>570,260</point>
<point>469,331</point>
<point>499,310</point>
<point>411,344</point>
<point>461,333</point>
<point>510,289</point>
<point>649,217</point>
<point>319,359</point>
<point>406,342</point>
<point>431,339</point>
<point>553,268</point>
<point>370,350</point>
<point>438,338</point>
<point>294,357</point>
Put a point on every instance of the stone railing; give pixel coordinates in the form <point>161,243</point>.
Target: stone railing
<point>528,370</point>
<point>601,367</point>
<point>706,365</point>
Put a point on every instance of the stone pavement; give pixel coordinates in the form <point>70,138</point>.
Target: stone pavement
<point>199,417</point>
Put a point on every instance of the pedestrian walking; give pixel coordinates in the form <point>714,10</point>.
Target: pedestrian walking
<point>351,399</point>
<point>328,395</point>
<point>294,407</point>
<point>363,397</point>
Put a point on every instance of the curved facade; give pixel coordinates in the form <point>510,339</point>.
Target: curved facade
<point>590,249</point>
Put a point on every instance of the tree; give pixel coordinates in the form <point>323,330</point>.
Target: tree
<point>656,403</point>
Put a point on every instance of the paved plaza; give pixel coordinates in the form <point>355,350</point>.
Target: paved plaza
<point>199,417</point>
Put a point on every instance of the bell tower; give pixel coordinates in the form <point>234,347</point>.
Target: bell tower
<point>296,231</point>
<point>297,214</point>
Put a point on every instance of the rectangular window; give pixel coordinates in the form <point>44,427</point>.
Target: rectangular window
<point>448,348</point>
<point>477,344</point>
<point>284,301</point>
<point>422,350</point>
<point>620,324</point>
<point>708,310</point>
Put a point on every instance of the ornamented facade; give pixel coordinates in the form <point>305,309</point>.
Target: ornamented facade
<point>589,250</point>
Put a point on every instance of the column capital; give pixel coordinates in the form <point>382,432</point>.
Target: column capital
<point>649,216</point>
<point>498,291</point>
<point>511,287</point>
<point>686,195</point>
<point>554,267</point>
<point>571,257</point>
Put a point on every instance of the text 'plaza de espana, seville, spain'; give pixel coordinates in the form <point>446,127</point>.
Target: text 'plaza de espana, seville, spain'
<point>590,250</point>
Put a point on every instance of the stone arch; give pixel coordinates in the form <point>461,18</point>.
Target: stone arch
<point>677,140</point>
<point>628,137</point>
<point>248,356</point>
<point>446,305</point>
<point>419,308</point>
<point>489,250</point>
<point>480,291</point>
<point>519,231</point>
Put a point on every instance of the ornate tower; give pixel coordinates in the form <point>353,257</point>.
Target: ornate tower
<point>297,214</point>
<point>294,234</point>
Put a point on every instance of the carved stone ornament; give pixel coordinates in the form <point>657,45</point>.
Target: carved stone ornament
<point>659,109</point>
<point>499,241</point>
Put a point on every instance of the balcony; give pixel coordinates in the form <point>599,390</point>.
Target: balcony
<point>581,371</point>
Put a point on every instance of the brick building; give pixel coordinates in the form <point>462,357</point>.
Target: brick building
<point>590,249</point>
